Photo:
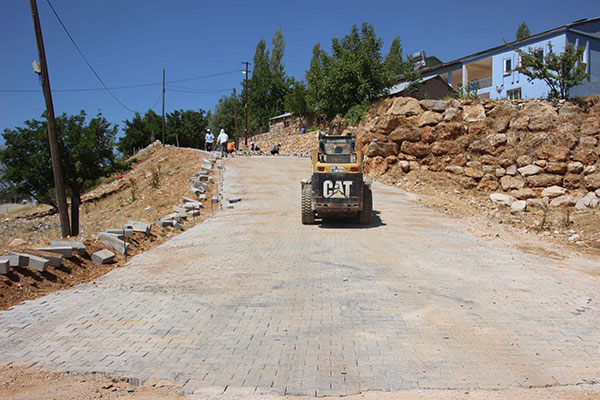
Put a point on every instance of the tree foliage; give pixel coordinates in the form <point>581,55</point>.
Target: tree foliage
<point>139,132</point>
<point>223,117</point>
<point>523,31</point>
<point>561,71</point>
<point>86,154</point>
<point>355,71</point>
<point>296,101</point>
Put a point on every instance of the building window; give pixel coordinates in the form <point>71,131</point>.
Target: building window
<point>513,94</point>
<point>507,65</point>
<point>286,124</point>
<point>539,54</point>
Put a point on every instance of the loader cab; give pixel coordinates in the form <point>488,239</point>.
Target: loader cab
<point>337,149</point>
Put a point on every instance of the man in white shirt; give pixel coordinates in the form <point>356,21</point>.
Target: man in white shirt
<point>208,140</point>
<point>222,139</point>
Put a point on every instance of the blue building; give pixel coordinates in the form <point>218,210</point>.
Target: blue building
<point>492,69</point>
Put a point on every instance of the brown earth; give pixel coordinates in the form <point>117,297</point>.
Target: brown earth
<point>120,198</point>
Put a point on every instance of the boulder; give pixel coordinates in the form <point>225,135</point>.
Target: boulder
<point>428,135</point>
<point>405,165</point>
<point>405,106</point>
<point>405,133</point>
<point>376,166</point>
<point>418,149</point>
<point>587,142</point>
<point>434,105</point>
<point>524,160</point>
<point>592,181</point>
<point>455,169</point>
<point>500,172</point>
<point>544,180</point>
<point>386,124</point>
<point>518,206</point>
<point>496,139</point>
<point>473,113</point>
<point>499,125</point>
<point>502,199</point>
<point>510,182</point>
<point>382,149</point>
<point>589,169</point>
<point>572,181</point>
<point>535,203</point>
<point>590,200</point>
<point>488,183</point>
<point>473,173</point>
<point>541,163</point>
<point>563,201</point>
<point>511,170</point>
<point>441,148</point>
<point>586,157</point>
<point>553,191</point>
<point>539,124</point>
<point>590,127</point>
<point>539,110</point>
<point>481,147</point>
<point>519,123</point>
<point>558,154</point>
<point>459,160</point>
<point>530,170</point>
<point>523,194</point>
<point>448,131</point>
<point>556,167</point>
<point>17,242</point>
<point>429,118</point>
<point>451,114</point>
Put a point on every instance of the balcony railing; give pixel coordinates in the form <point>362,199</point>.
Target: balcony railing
<point>483,83</point>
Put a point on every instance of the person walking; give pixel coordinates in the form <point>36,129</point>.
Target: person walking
<point>222,139</point>
<point>209,138</point>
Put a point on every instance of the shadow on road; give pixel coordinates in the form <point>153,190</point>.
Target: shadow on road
<point>350,223</point>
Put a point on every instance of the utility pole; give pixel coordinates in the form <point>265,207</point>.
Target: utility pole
<point>246,106</point>
<point>54,150</point>
<point>163,111</point>
<point>237,138</point>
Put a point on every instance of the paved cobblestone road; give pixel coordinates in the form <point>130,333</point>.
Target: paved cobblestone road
<point>252,299</point>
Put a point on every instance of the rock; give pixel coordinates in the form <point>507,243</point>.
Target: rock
<point>574,167</point>
<point>451,114</point>
<point>502,199</point>
<point>590,127</point>
<point>535,203</point>
<point>558,154</point>
<point>459,160</point>
<point>523,194</point>
<point>553,191</point>
<point>540,110</point>
<point>418,149</point>
<point>530,170</point>
<point>499,125</point>
<point>441,148</point>
<point>518,206</point>
<point>405,165</point>
<point>524,160</point>
<point>544,180</point>
<point>588,142</point>
<point>377,166</point>
<point>103,256</point>
<point>488,183</point>
<point>563,201</point>
<point>572,181</point>
<point>592,181</point>
<point>382,149</point>
<point>496,139</point>
<point>555,167</point>
<point>597,193</point>
<point>434,105</point>
<point>405,106</point>
<point>509,183</point>
<point>499,172</point>
<point>589,200</point>
<point>455,169</point>
<point>428,135</point>
<point>481,147</point>
<point>519,123</point>
<point>473,173</point>
<point>17,242</point>
<point>505,163</point>
<point>589,169</point>
<point>586,157</point>
<point>429,118</point>
<point>541,163</point>
<point>539,124</point>
<point>511,170</point>
<point>386,124</point>
<point>474,113</point>
<point>405,133</point>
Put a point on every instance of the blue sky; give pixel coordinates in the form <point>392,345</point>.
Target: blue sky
<point>129,42</point>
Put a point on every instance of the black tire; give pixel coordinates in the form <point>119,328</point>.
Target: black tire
<point>365,216</point>
<point>308,215</point>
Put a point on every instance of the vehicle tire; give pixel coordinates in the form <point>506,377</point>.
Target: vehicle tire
<point>365,216</point>
<point>308,215</point>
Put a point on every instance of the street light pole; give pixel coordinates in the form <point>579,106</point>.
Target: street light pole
<point>246,106</point>
<point>237,138</point>
<point>54,149</point>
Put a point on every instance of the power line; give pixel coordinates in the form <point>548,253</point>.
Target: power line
<point>85,59</point>
<point>121,87</point>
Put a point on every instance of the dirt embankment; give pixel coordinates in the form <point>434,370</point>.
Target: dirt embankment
<point>158,180</point>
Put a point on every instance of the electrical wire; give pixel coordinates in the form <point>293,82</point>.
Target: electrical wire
<point>156,102</point>
<point>85,59</point>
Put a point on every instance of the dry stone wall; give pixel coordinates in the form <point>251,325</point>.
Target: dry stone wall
<point>531,152</point>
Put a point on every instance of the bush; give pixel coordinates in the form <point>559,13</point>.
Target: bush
<point>356,113</point>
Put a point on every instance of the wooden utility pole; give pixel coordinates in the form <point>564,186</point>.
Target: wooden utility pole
<point>54,149</point>
<point>246,106</point>
<point>163,110</point>
<point>237,138</point>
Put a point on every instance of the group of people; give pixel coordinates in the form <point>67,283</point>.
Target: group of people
<point>226,147</point>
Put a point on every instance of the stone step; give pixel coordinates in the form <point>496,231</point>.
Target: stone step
<point>79,247</point>
<point>113,241</point>
<point>54,259</point>
<point>103,256</point>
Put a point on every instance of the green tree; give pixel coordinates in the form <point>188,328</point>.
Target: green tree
<point>259,90</point>
<point>523,31</point>
<point>393,60</point>
<point>186,128</point>
<point>138,132</point>
<point>223,117</point>
<point>561,72</point>
<point>86,155</point>
<point>296,102</point>
<point>317,78</point>
<point>412,75</point>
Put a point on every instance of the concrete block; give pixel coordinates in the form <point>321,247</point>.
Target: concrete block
<point>138,226</point>
<point>178,209</point>
<point>54,259</point>
<point>188,200</point>
<point>127,232</point>
<point>178,226</point>
<point>235,200</point>
<point>76,246</point>
<point>4,266</point>
<point>195,191</point>
<point>210,179</point>
<point>202,197</point>
<point>193,213</point>
<point>215,199</point>
<point>200,186</point>
<point>66,252</point>
<point>163,223</point>
<point>172,217</point>
<point>192,206</point>
<point>182,214</point>
<point>103,256</point>
<point>17,259</point>
<point>113,241</point>
<point>204,178</point>
<point>37,263</point>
